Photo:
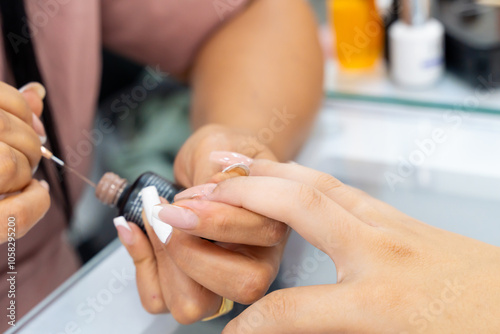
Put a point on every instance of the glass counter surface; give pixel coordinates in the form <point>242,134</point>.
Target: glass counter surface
<point>455,188</point>
<point>449,92</point>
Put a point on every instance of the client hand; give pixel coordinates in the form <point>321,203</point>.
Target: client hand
<point>395,274</point>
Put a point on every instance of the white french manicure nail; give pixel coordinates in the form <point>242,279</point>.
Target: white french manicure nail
<point>120,221</point>
<point>162,230</point>
<point>150,198</point>
<point>43,139</point>
<point>156,210</point>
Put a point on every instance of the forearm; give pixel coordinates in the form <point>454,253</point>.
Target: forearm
<point>265,61</point>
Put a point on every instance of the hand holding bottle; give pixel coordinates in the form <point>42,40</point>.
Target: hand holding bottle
<point>188,275</point>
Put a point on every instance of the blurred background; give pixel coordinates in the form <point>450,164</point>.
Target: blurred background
<point>429,54</point>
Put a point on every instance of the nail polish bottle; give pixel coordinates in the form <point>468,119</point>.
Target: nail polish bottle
<point>116,192</point>
<point>359,32</point>
<point>416,46</point>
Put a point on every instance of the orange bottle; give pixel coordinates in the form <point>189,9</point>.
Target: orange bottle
<point>359,32</point>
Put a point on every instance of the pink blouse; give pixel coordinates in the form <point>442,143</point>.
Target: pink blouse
<point>68,35</point>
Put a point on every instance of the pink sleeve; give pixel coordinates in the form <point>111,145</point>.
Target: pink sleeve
<point>163,32</point>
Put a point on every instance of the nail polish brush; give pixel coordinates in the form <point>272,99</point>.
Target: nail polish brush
<point>50,156</point>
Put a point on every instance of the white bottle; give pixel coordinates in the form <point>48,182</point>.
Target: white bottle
<point>416,46</point>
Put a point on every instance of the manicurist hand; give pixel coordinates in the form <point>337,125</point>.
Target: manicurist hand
<point>22,198</point>
<point>188,275</point>
<point>395,274</point>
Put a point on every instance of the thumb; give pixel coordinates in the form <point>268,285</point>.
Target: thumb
<point>314,309</point>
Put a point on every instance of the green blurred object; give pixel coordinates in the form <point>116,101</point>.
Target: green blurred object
<point>150,137</point>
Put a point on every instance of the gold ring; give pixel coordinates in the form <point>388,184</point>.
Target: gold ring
<point>225,308</point>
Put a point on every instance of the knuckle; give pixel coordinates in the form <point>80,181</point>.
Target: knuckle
<point>275,232</point>
<point>154,305</point>
<point>221,225</point>
<point>188,311</point>
<point>280,305</point>
<point>18,101</point>
<point>144,262</point>
<point>8,162</point>
<point>309,197</point>
<point>327,183</point>
<point>5,123</point>
<point>24,224</point>
<point>255,283</point>
<point>17,104</point>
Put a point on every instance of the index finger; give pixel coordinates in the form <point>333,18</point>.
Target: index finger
<point>321,221</point>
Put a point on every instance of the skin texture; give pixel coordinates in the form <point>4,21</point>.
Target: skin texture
<point>257,83</point>
<point>395,274</point>
<point>19,155</point>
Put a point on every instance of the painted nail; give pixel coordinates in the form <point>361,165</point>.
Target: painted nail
<point>176,216</point>
<point>36,87</point>
<point>124,230</point>
<point>150,199</point>
<point>226,158</point>
<point>163,230</point>
<point>44,184</point>
<point>121,221</point>
<point>198,192</point>
<point>39,129</point>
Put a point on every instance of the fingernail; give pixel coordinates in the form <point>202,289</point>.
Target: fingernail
<point>39,129</point>
<point>44,184</point>
<point>121,221</point>
<point>150,199</point>
<point>124,230</point>
<point>163,231</point>
<point>36,87</point>
<point>198,192</point>
<point>176,216</point>
<point>226,158</point>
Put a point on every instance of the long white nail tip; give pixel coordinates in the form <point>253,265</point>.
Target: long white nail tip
<point>150,198</point>
<point>43,139</point>
<point>162,230</point>
<point>156,210</point>
<point>120,221</point>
